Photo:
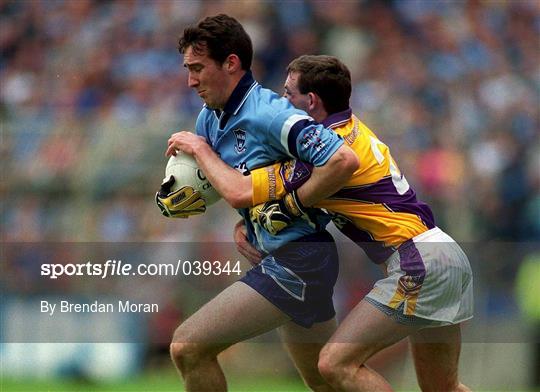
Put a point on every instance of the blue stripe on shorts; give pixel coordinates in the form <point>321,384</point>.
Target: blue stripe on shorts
<point>299,278</point>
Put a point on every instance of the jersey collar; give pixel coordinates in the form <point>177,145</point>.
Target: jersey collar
<point>240,93</point>
<point>337,119</point>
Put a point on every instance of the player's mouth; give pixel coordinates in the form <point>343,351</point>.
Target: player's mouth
<point>201,92</point>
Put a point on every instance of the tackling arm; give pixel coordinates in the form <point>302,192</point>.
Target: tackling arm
<point>275,181</point>
<point>300,136</point>
<point>325,180</point>
<point>329,178</point>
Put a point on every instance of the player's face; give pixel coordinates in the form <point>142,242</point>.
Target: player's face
<point>206,77</point>
<point>299,101</point>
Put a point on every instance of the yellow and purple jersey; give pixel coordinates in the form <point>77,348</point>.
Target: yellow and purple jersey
<point>376,208</point>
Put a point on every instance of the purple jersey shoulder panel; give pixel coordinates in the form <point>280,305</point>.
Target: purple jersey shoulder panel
<point>384,192</point>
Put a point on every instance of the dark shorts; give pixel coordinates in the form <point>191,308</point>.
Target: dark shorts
<point>299,278</point>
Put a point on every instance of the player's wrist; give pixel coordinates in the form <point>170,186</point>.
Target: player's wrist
<point>293,205</point>
<point>201,149</point>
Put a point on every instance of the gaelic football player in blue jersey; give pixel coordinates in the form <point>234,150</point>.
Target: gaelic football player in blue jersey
<point>427,292</point>
<point>250,127</point>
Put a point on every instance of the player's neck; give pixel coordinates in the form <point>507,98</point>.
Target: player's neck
<point>319,114</point>
<point>232,83</point>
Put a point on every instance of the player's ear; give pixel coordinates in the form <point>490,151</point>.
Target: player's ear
<point>313,101</point>
<point>232,63</point>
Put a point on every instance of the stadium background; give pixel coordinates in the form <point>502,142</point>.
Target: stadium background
<point>91,90</point>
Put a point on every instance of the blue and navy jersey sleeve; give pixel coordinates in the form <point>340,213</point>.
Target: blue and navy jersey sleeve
<point>301,137</point>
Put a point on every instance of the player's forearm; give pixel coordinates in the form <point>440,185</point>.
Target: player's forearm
<point>232,185</point>
<point>329,178</point>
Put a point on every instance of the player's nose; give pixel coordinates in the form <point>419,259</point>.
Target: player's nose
<point>192,81</point>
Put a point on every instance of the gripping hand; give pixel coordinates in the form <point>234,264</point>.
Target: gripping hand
<point>276,215</point>
<point>181,203</point>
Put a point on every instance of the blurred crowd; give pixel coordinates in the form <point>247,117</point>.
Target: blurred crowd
<point>91,90</point>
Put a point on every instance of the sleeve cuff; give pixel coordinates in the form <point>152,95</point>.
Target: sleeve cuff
<point>266,184</point>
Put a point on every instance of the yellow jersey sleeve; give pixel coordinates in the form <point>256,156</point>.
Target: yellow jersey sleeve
<point>267,184</point>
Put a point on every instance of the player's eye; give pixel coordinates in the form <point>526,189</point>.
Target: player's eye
<point>194,68</point>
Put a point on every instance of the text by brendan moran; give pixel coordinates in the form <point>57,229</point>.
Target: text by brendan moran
<point>98,307</point>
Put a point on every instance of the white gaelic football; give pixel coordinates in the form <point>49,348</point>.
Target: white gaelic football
<point>185,170</point>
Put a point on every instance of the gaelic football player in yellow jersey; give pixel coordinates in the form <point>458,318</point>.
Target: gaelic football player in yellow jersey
<point>427,291</point>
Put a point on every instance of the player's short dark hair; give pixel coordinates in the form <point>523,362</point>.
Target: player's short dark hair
<point>325,76</point>
<point>221,36</point>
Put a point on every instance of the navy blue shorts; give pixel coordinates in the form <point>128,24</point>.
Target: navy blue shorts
<point>299,278</point>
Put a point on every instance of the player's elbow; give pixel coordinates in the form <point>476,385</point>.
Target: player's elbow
<point>346,162</point>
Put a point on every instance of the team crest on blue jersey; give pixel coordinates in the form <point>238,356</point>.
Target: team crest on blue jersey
<point>240,136</point>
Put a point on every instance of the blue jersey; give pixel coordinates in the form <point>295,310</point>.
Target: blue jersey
<point>256,128</point>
